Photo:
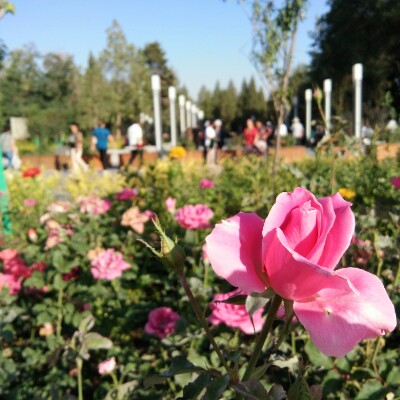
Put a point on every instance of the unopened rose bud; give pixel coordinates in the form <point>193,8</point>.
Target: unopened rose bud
<point>32,235</point>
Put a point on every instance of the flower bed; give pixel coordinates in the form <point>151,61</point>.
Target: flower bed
<point>90,311</point>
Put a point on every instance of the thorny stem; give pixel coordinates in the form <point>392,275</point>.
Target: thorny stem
<point>59,312</point>
<point>276,302</point>
<point>204,324</point>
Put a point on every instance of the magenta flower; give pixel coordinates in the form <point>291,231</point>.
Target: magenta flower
<point>234,316</point>
<point>11,282</point>
<point>93,205</point>
<point>396,182</point>
<point>107,366</point>
<point>29,202</point>
<point>194,217</point>
<point>206,184</point>
<point>108,265</point>
<point>13,264</point>
<point>170,204</point>
<point>161,322</point>
<point>126,194</point>
<point>295,252</point>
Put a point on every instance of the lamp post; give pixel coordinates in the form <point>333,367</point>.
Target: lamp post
<point>188,114</point>
<point>156,86</point>
<point>357,80</point>
<point>194,115</point>
<point>308,97</point>
<point>182,114</point>
<point>172,113</point>
<point>327,98</point>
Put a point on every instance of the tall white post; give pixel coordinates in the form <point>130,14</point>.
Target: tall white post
<point>308,97</point>
<point>357,79</point>
<point>156,86</point>
<point>188,113</point>
<point>172,113</point>
<point>182,114</point>
<point>327,97</point>
<point>194,115</point>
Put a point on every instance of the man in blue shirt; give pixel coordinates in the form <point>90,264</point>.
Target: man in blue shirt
<point>100,137</point>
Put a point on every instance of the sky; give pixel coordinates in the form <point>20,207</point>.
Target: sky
<point>205,41</point>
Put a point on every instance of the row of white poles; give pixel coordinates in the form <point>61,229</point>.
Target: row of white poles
<point>357,81</point>
<point>189,114</point>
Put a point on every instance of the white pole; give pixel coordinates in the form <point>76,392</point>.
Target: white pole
<point>194,115</point>
<point>308,97</point>
<point>188,114</point>
<point>182,114</point>
<point>172,109</point>
<point>200,115</point>
<point>156,86</point>
<point>357,79</point>
<point>327,97</point>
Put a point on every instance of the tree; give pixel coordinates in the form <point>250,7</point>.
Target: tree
<point>228,105</point>
<point>360,31</point>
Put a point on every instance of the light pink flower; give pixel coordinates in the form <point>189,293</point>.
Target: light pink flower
<point>170,204</point>
<point>234,316</point>
<point>29,202</point>
<point>194,217</point>
<point>135,219</point>
<point>107,366</point>
<point>396,182</point>
<point>53,239</point>
<point>11,282</point>
<point>8,254</point>
<point>161,322</point>
<point>204,255</point>
<point>206,184</point>
<point>150,214</point>
<point>108,265</point>
<point>59,206</point>
<point>126,194</point>
<point>295,252</point>
<point>32,235</point>
<point>93,205</point>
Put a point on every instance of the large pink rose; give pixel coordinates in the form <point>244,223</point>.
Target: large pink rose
<point>235,316</point>
<point>194,217</point>
<point>161,322</point>
<point>11,282</point>
<point>295,252</point>
<point>108,265</point>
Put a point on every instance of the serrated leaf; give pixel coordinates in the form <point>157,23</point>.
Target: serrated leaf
<point>259,372</point>
<point>193,389</point>
<point>216,388</point>
<point>95,341</point>
<point>122,391</point>
<point>300,390</point>
<point>371,390</point>
<point>252,390</point>
<point>254,303</point>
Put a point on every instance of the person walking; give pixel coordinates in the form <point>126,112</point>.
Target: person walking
<point>7,144</point>
<point>210,144</point>
<point>135,141</point>
<point>100,138</point>
<point>76,148</point>
<point>297,129</point>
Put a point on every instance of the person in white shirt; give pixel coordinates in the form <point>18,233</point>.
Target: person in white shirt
<point>135,140</point>
<point>297,129</point>
<point>210,143</point>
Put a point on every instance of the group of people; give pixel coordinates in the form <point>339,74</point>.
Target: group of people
<point>101,137</point>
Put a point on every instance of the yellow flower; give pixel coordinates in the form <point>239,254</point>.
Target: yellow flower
<point>177,152</point>
<point>347,194</point>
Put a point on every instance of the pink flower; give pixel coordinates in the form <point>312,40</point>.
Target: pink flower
<point>8,254</point>
<point>170,204</point>
<point>295,252</point>
<point>93,205</point>
<point>206,184</point>
<point>126,194</point>
<point>59,206</point>
<point>11,282</point>
<point>194,217</point>
<point>29,202</point>
<point>108,265</point>
<point>204,255</point>
<point>361,251</point>
<point>32,235</point>
<point>14,265</point>
<point>235,316</point>
<point>54,238</point>
<point>39,266</point>
<point>73,274</point>
<point>135,219</point>
<point>151,214</point>
<point>396,182</point>
<point>161,322</point>
<point>107,366</point>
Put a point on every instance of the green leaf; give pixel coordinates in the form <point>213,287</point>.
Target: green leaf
<point>239,300</point>
<point>86,324</point>
<point>122,391</point>
<point>193,389</point>
<point>371,390</point>
<point>95,341</point>
<point>300,390</point>
<point>35,281</point>
<point>277,393</point>
<point>394,376</point>
<point>252,390</point>
<point>216,388</point>
<point>259,372</point>
<point>254,303</point>
<point>316,357</point>
<point>59,283</point>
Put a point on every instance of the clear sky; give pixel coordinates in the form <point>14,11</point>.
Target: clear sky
<point>205,40</point>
